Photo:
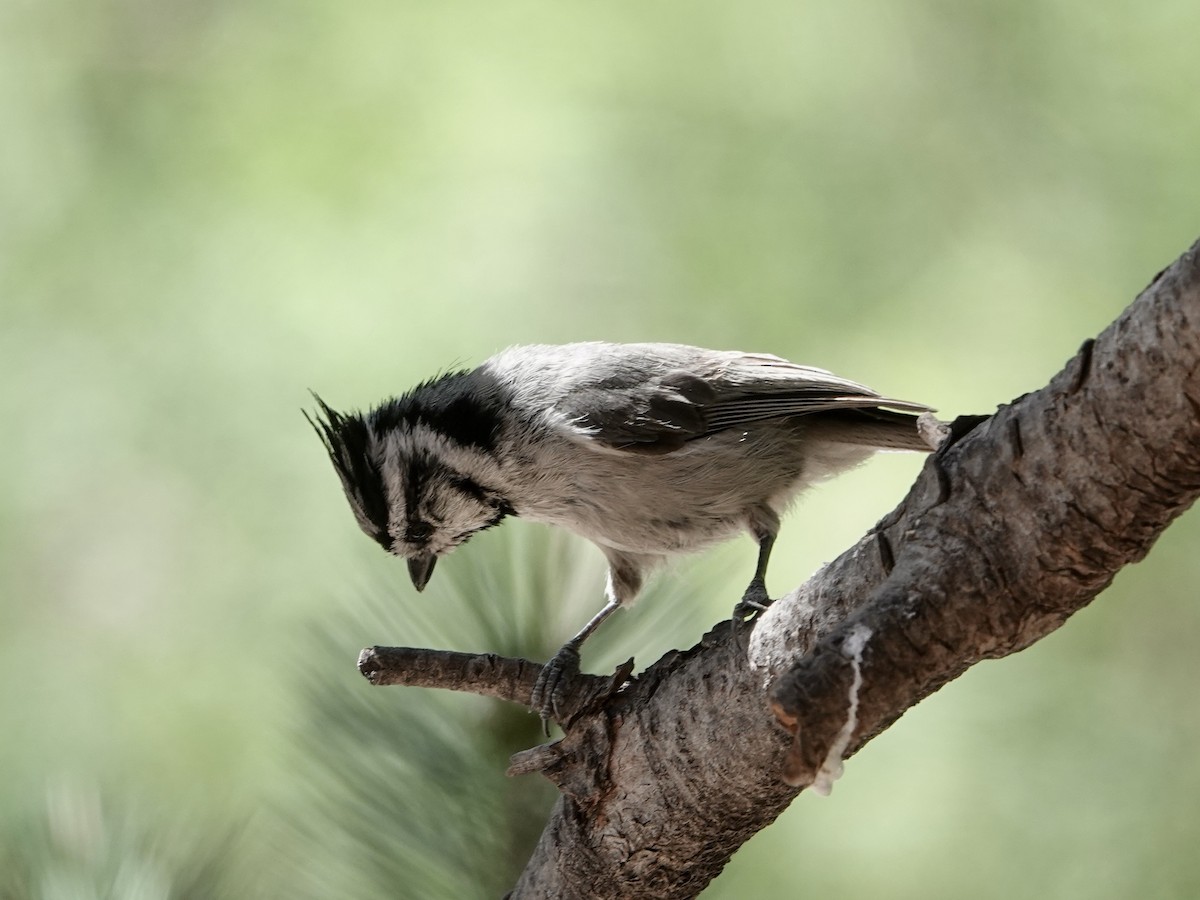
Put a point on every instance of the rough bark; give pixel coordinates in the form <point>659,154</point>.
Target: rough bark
<point>1017,522</point>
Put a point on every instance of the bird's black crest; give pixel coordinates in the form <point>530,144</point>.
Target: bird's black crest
<point>449,404</point>
<point>346,437</point>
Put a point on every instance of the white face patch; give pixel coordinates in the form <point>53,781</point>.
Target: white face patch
<point>439,492</point>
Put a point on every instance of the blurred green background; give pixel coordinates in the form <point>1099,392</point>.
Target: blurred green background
<point>207,208</point>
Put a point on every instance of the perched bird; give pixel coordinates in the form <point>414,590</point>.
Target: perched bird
<point>647,450</point>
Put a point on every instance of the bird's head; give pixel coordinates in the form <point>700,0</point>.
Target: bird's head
<point>416,488</point>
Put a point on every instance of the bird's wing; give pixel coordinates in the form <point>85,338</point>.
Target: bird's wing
<point>635,403</point>
<point>756,387</point>
<point>654,398</point>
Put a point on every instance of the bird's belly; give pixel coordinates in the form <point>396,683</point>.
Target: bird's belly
<point>674,503</point>
<point>661,531</point>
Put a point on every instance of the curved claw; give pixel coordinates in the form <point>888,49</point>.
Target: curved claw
<point>753,602</point>
<point>550,690</point>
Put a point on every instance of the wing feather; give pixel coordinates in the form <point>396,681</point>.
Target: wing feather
<point>654,398</point>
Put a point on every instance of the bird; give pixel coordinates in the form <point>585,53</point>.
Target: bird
<point>648,450</point>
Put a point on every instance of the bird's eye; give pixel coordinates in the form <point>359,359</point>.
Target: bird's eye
<point>418,532</point>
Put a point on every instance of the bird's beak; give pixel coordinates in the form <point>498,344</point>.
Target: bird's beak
<point>420,568</point>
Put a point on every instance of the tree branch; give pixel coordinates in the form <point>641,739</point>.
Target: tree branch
<point>486,674</point>
<point>1047,501</point>
<point>1016,523</point>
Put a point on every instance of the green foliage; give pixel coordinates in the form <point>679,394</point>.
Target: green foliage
<point>85,846</point>
<point>206,209</point>
<point>402,793</point>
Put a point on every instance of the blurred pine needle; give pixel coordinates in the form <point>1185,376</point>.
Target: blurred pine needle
<point>403,790</point>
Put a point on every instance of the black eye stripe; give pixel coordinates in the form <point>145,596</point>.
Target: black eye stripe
<point>472,488</point>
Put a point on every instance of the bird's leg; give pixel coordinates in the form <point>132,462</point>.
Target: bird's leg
<point>552,686</point>
<point>764,525</point>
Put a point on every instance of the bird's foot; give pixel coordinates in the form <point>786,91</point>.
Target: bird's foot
<point>753,602</point>
<point>553,684</point>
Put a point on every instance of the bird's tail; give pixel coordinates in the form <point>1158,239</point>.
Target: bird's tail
<point>884,429</point>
